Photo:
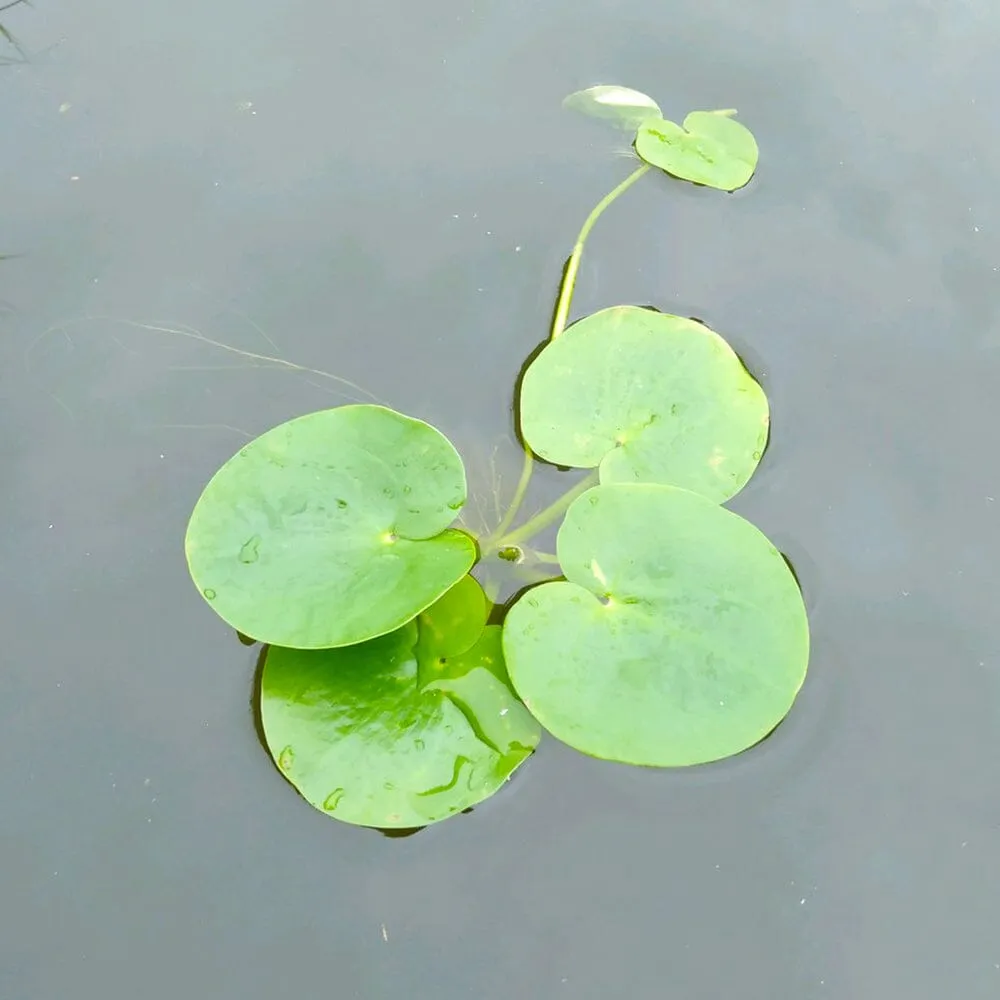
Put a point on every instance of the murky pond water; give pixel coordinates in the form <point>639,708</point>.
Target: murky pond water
<point>385,192</point>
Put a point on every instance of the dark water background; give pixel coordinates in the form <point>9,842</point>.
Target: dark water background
<point>388,191</point>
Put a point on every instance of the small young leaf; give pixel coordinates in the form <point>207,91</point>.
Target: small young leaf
<point>711,149</point>
<point>621,105</point>
<point>403,730</point>
<point>679,636</point>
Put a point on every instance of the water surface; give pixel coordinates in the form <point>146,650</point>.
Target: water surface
<point>386,192</point>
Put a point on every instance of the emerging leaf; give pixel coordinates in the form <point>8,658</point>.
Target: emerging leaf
<point>625,107</point>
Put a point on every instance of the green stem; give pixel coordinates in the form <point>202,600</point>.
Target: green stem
<point>515,503</point>
<point>545,517</point>
<point>497,538</point>
<point>573,265</point>
<point>545,558</point>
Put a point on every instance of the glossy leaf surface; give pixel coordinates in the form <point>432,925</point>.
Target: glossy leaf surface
<point>711,148</point>
<point>678,637</point>
<point>625,107</point>
<point>406,729</point>
<point>331,529</point>
<point>646,397</point>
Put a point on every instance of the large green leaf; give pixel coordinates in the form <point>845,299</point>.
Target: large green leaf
<point>625,107</point>
<point>647,397</point>
<point>710,149</point>
<point>330,529</point>
<point>405,729</point>
<point>678,637</point>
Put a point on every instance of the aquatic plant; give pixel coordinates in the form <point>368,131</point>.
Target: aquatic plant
<point>670,631</point>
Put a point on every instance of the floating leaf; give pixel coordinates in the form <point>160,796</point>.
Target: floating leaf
<point>647,397</point>
<point>626,107</point>
<point>406,729</point>
<point>710,149</point>
<point>678,637</point>
<point>330,529</point>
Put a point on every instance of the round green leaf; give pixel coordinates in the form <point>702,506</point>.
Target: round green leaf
<point>678,637</point>
<point>625,107</point>
<point>330,529</point>
<point>403,730</point>
<point>710,149</point>
<point>647,397</point>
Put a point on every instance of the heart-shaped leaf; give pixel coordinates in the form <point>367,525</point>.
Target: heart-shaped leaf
<point>625,107</point>
<point>647,397</point>
<point>406,729</point>
<point>678,637</point>
<point>330,529</point>
<point>710,149</point>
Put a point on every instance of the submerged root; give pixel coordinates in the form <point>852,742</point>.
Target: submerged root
<point>257,360</point>
<point>251,360</point>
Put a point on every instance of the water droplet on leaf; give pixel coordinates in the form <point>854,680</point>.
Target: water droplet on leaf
<point>333,799</point>
<point>249,553</point>
<point>286,758</point>
<point>209,594</point>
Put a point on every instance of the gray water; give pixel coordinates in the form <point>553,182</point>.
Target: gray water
<point>387,191</point>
